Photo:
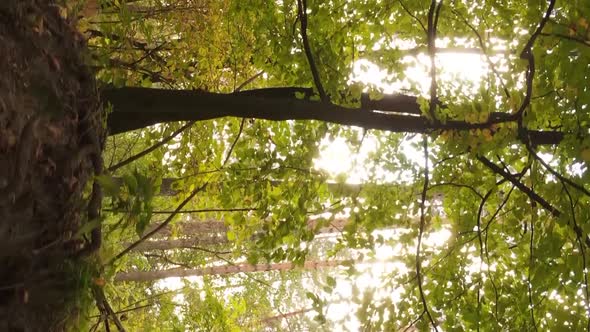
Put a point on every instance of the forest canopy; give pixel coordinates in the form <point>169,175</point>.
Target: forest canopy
<point>454,139</point>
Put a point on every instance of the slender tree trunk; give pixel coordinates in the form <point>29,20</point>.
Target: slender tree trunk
<point>192,227</point>
<point>275,319</point>
<point>138,276</point>
<point>195,227</point>
<point>167,186</point>
<point>200,234</point>
<point>135,108</point>
<point>182,243</point>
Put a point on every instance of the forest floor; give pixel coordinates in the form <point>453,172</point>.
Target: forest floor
<point>51,129</point>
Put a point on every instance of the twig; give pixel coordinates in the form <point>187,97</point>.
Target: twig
<point>231,149</point>
<point>433,15</point>
<point>421,233</point>
<point>566,37</point>
<point>302,14</point>
<point>583,252</point>
<point>531,194</point>
<point>459,185</point>
<point>414,322</point>
<point>161,226</point>
<point>484,51</point>
<point>190,211</point>
<point>213,252</point>
<point>554,172</point>
<point>207,210</point>
<point>104,305</point>
<point>248,81</point>
<point>481,252</point>
<point>413,16</point>
<point>529,45</point>
<point>150,149</point>
<point>531,263</point>
<point>167,260</point>
<point>527,54</point>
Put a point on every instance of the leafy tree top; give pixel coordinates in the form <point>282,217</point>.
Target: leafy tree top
<point>507,156</point>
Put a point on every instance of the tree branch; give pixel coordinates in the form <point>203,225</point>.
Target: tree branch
<point>157,229</point>
<point>527,54</point>
<point>302,14</point>
<point>555,173</point>
<point>526,190</point>
<point>135,108</point>
<point>413,16</point>
<point>433,14</point>
<point>150,149</point>
<point>421,233</point>
<point>531,194</point>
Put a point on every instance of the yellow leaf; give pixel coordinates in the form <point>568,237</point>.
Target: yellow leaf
<point>572,32</point>
<point>99,281</point>
<point>583,23</point>
<point>585,154</point>
<point>483,117</point>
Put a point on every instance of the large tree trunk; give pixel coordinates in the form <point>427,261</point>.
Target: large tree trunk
<point>222,270</point>
<point>135,108</point>
<point>51,133</point>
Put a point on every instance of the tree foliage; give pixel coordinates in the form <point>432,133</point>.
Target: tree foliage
<point>500,161</point>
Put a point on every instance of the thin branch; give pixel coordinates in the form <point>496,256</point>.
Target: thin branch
<point>529,45</point>
<point>188,211</point>
<point>555,173</point>
<point>414,322</point>
<point>484,51</point>
<point>531,194</point>
<point>583,252</point>
<point>413,16</point>
<point>566,37</point>
<point>527,54</point>
<point>248,81</point>
<point>213,252</point>
<point>206,210</point>
<point>531,263</point>
<point>167,260</point>
<point>421,233</point>
<point>459,185</point>
<point>150,149</point>
<point>481,253</point>
<point>127,150</point>
<point>493,217</point>
<point>161,226</point>
<point>302,14</point>
<point>104,306</point>
<point>231,149</point>
<point>433,15</point>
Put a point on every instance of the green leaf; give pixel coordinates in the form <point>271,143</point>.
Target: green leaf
<point>109,185</point>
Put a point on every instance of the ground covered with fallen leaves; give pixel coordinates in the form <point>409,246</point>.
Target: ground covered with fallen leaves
<point>50,143</point>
